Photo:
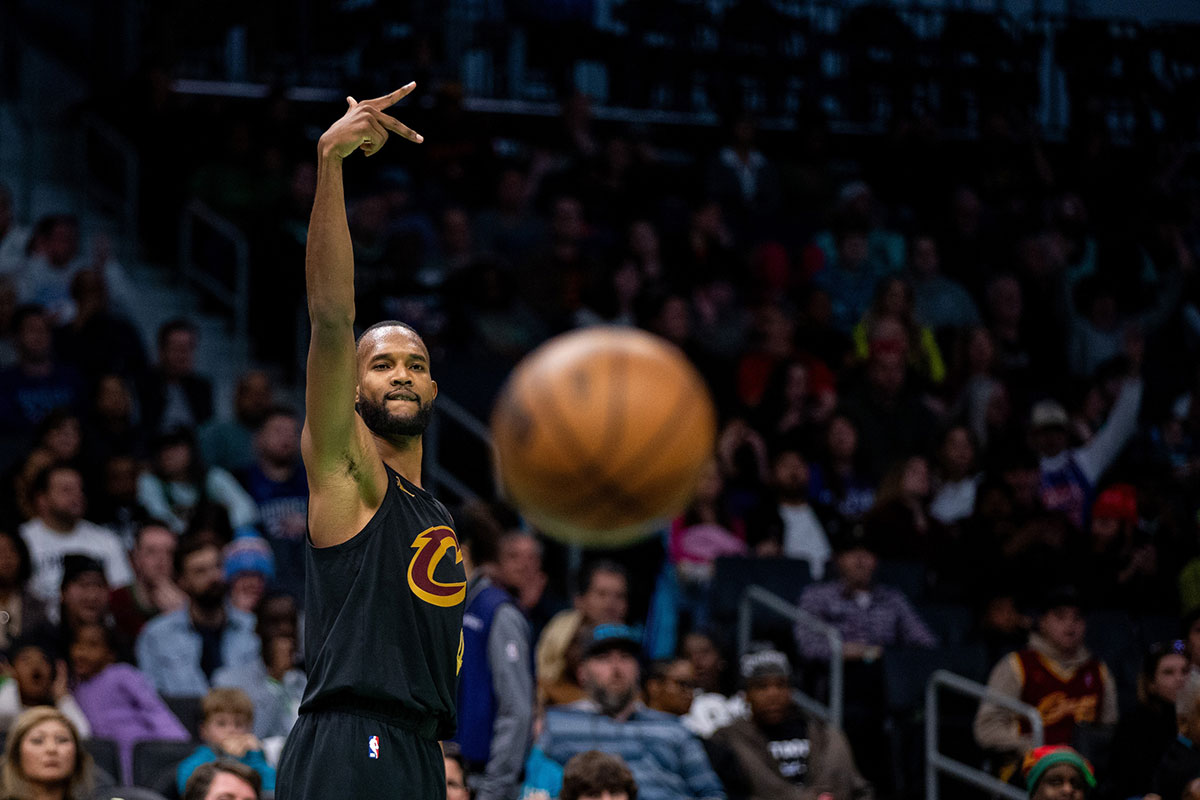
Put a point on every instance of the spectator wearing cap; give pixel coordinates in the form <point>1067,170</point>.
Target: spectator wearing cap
<point>495,687</point>
<point>1069,475</point>
<point>1120,568</point>
<point>665,759</point>
<point>1056,772</point>
<point>1144,734</point>
<point>1056,674</point>
<point>39,678</point>
<point>783,752</point>
<point>249,569</point>
<point>870,618</point>
<point>181,651</point>
<point>1181,762</point>
<point>60,529</point>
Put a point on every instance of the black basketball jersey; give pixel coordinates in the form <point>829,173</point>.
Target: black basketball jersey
<point>383,614</point>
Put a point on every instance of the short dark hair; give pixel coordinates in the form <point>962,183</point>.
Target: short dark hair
<point>598,566</point>
<point>391,323</point>
<point>41,481</point>
<point>45,226</point>
<point>190,544</point>
<point>24,312</point>
<point>278,410</point>
<point>175,325</point>
<point>592,773</point>
<point>200,781</point>
<point>24,561</point>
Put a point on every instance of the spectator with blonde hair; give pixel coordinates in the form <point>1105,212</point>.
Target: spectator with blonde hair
<point>44,758</point>
<point>226,733</point>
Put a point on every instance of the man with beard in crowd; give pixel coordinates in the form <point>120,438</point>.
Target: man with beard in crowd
<point>180,651</point>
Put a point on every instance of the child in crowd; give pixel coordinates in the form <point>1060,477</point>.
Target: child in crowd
<point>228,715</point>
<point>118,700</point>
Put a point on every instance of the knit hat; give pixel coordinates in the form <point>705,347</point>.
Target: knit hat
<point>1117,502</point>
<point>1043,758</point>
<point>249,554</point>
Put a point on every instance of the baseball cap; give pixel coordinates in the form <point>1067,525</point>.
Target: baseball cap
<point>1117,502</point>
<point>764,664</point>
<point>612,636</point>
<point>1048,414</point>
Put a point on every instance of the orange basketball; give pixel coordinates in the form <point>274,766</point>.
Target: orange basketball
<point>600,435</point>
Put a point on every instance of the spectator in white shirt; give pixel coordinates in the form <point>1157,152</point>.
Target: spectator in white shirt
<point>59,528</point>
<point>803,534</point>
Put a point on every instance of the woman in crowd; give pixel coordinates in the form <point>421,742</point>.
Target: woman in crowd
<point>838,480</point>
<point>44,759</point>
<point>1143,734</point>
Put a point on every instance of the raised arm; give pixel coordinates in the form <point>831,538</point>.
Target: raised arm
<point>335,444</point>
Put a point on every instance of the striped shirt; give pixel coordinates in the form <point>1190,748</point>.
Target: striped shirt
<point>667,761</point>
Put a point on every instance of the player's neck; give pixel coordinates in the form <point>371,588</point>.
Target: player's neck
<point>403,454</point>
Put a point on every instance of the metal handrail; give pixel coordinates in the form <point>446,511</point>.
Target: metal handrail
<point>831,712</point>
<point>936,763</point>
<point>125,200</point>
<point>235,298</point>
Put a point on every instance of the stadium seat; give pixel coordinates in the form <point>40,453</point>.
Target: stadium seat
<point>732,575</point>
<point>154,763</point>
<point>906,673</point>
<point>907,576</point>
<point>951,623</point>
<point>1094,741</point>
<point>126,793</point>
<point>187,709</point>
<point>105,754</point>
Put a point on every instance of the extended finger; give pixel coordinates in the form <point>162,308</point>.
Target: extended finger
<point>395,126</point>
<point>392,98</point>
<point>377,136</point>
<point>350,101</point>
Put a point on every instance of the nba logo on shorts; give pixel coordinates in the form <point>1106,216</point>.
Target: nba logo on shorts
<point>373,746</point>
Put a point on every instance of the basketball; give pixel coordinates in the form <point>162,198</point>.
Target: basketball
<point>600,435</point>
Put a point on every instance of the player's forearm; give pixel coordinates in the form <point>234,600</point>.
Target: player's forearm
<point>329,258</point>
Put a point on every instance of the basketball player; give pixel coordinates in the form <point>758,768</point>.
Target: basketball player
<point>384,578</point>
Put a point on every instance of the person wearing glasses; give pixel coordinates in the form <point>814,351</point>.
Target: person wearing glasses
<point>670,686</point>
<point>1144,734</point>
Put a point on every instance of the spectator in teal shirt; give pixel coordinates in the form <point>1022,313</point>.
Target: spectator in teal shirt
<point>228,716</point>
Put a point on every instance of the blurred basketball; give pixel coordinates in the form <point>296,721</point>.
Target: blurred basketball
<point>600,435</point>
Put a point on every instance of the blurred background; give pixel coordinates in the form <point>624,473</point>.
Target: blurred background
<point>935,260</point>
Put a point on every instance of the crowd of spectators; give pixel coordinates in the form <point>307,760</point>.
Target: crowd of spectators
<point>959,373</point>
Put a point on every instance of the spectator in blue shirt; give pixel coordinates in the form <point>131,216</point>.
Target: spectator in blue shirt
<point>181,650</point>
<point>666,760</point>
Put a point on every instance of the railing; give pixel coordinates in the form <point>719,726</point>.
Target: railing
<point>234,292</point>
<point>112,176</point>
<point>756,595</point>
<point>436,474</point>
<point>937,763</point>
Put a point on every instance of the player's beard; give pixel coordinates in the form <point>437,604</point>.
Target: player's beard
<point>382,422</point>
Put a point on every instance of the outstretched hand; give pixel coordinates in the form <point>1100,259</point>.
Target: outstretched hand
<point>364,126</point>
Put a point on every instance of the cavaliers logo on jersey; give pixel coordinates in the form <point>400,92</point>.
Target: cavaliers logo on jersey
<point>431,544</point>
